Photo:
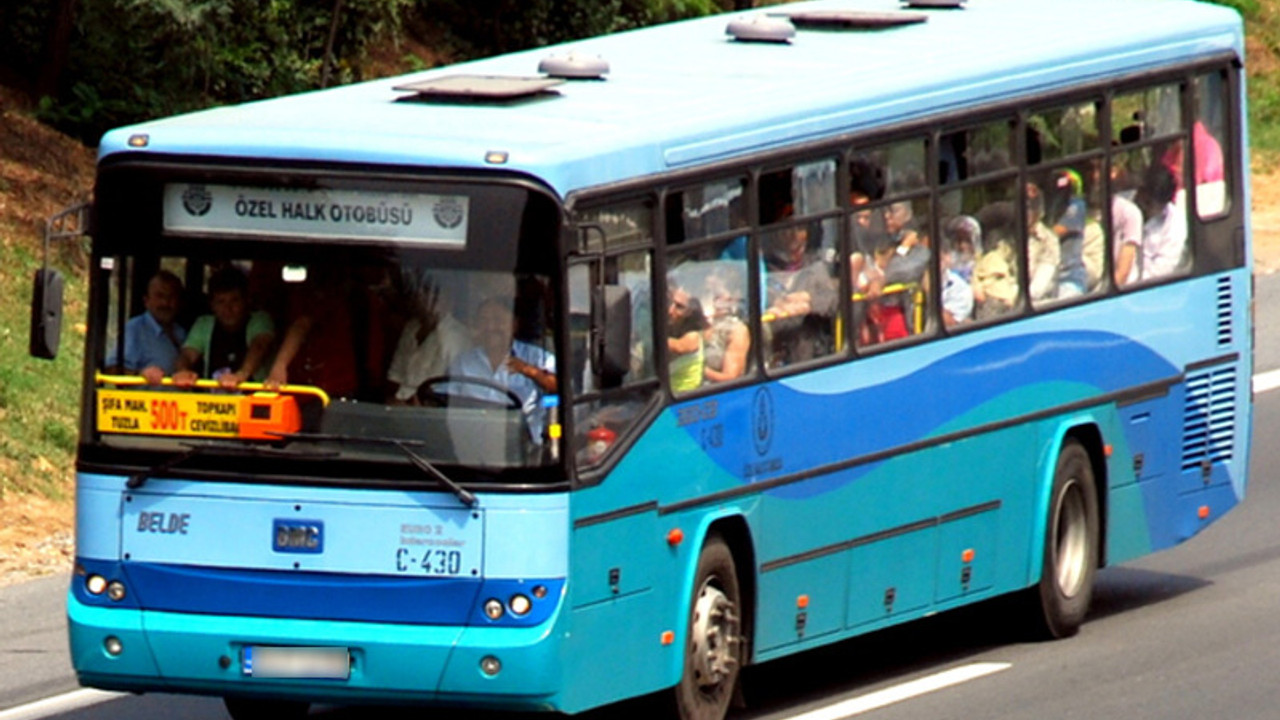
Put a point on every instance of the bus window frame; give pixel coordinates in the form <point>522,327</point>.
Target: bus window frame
<point>933,128</point>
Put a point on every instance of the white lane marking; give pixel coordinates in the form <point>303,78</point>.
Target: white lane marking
<point>899,693</point>
<point>59,704</point>
<point>1262,382</point>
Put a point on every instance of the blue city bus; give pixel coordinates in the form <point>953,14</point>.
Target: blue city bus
<point>606,370</point>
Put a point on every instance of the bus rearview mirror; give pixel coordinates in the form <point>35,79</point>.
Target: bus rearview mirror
<point>46,313</point>
<point>613,332</point>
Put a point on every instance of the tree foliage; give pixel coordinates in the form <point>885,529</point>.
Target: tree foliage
<point>97,64</point>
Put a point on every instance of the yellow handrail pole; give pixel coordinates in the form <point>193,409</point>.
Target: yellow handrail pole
<point>214,385</point>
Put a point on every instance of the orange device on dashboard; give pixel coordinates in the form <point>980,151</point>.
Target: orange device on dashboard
<point>267,416</point>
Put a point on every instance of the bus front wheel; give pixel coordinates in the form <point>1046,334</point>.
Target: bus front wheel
<point>713,651</point>
<point>1070,546</point>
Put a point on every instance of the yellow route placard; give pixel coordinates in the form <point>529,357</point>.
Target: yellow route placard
<point>169,413</point>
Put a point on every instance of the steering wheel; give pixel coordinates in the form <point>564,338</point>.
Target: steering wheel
<point>438,398</point>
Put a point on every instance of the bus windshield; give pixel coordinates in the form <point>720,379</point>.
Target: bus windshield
<point>326,358</point>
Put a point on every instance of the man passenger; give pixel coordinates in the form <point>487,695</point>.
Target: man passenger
<point>152,340</point>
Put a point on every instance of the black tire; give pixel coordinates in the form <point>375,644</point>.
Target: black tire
<point>713,650</point>
<point>243,708</point>
<point>1070,547</point>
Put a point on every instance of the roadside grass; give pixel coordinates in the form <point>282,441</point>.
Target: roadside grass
<point>1262,28</point>
<point>39,399</point>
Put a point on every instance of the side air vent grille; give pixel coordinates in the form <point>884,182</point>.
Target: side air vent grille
<point>1225,327</point>
<point>1208,424</point>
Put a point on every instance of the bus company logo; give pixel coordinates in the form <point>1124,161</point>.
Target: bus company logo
<point>448,213</point>
<point>197,200</point>
<point>762,421</point>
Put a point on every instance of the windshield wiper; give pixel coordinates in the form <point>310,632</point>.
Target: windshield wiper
<point>465,496</point>
<point>140,478</point>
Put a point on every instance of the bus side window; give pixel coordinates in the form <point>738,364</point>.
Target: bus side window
<point>982,244</point>
<point>1066,143</point>
<point>891,245</point>
<point>799,285</point>
<point>707,274</point>
<point>1148,124</point>
<point>1209,135</point>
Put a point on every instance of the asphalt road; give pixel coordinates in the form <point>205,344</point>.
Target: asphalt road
<point>1190,632</point>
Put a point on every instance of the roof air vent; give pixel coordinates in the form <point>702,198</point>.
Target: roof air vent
<point>935,4</point>
<point>854,19</point>
<point>574,67</point>
<point>761,28</point>
<point>479,88</point>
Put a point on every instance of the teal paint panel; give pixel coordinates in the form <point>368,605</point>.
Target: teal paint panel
<point>615,558</point>
<point>1127,536</point>
<point>802,601</point>
<point>891,576</point>
<point>968,555</point>
<point>635,662</point>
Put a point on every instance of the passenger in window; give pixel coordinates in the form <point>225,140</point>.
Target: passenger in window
<point>964,234</point>
<point>1043,251</point>
<point>1126,228</point>
<point>995,279</point>
<point>958,252</point>
<point>1164,235</point>
<point>885,317</point>
<point>232,344</point>
<point>799,295</point>
<point>727,340</point>
<point>907,265</point>
<point>153,339</point>
<point>685,325</point>
<point>431,340</point>
<point>318,348</point>
<point>1066,204</point>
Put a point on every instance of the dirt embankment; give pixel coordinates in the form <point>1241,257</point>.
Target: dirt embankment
<point>41,172</point>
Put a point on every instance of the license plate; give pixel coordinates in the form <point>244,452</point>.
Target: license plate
<point>309,663</point>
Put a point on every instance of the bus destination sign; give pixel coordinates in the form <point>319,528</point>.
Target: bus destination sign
<point>258,416</point>
<point>433,220</point>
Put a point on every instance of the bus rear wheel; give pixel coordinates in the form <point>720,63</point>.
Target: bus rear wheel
<point>242,708</point>
<point>1070,546</point>
<point>713,651</point>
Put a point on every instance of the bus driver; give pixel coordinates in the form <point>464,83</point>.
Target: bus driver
<point>525,369</point>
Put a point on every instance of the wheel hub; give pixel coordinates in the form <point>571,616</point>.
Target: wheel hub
<point>1072,544</point>
<point>715,641</point>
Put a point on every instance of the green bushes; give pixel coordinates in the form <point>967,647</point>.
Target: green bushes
<point>97,64</point>
<point>120,61</point>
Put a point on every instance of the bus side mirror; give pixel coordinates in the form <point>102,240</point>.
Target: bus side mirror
<point>46,314</point>
<point>613,333</point>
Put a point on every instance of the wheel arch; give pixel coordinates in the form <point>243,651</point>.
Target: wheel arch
<point>1086,431</point>
<point>737,534</point>
<point>1090,437</point>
